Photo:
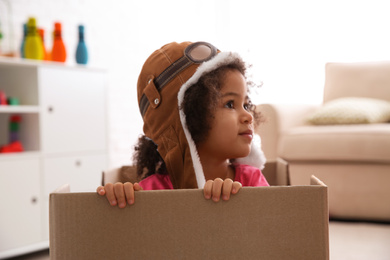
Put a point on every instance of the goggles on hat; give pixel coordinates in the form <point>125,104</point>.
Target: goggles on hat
<point>194,53</point>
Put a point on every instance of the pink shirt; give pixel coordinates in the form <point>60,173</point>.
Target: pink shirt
<point>247,175</point>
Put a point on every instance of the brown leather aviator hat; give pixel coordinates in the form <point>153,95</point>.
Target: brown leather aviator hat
<point>164,78</point>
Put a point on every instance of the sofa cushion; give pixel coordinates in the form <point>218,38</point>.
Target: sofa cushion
<point>370,143</point>
<point>352,110</point>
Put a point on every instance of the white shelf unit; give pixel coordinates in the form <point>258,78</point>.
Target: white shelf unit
<point>63,131</point>
<point>19,109</point>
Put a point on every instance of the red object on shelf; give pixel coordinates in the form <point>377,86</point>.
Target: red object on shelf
<point>58,52</point>
<point>16,118</point>
<point>3,98</point>
<point>12,147</point>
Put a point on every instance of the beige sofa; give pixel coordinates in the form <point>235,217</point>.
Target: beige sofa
<point>352,159</point>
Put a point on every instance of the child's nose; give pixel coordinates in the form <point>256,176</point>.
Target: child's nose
<point>247,117</point>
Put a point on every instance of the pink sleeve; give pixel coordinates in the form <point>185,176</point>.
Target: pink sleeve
<point>250,176</point>
<point>156,182</point>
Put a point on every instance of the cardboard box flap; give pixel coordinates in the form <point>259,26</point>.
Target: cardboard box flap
<point>63,189</point>
<point>315,181</point>
<point>281,222</point>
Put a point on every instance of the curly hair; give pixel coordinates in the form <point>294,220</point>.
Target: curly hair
<point>146,157</point>
<point>204,96</point>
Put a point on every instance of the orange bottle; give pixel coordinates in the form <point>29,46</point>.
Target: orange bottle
<point>42,34</point>
<point>58,52</point>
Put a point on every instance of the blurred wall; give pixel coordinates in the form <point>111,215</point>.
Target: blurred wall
<point>288,43</point>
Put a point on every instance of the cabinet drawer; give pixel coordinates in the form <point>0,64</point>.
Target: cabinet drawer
<point>20,203</point>
<point>74,110</point>
<point>83,173</point>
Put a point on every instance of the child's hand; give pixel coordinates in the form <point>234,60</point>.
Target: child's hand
<point>119,193</point>
<point>215,188</point>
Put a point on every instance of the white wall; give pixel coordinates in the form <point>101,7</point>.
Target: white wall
<point>288,43</point>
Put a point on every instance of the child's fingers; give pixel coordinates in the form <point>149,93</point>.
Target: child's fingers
<point>100,190</point>
<point>109,188</point>
<point>236,186</point>
<point>208,189</point>
<point>214,189</point>
<point>120,194</point>
<point>137,187</point>
<point>227,189</point>
<point>129,192</point>
<point>217,188</point>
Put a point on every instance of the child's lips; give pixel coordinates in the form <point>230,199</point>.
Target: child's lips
<point>247,133</point>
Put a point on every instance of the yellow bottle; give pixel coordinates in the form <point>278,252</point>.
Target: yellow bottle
<point>33,46</point>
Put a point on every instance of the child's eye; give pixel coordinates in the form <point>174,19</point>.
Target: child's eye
<point>230,104</point>
<point>247,106</point>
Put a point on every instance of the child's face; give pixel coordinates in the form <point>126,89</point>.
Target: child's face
<point>232,128</point>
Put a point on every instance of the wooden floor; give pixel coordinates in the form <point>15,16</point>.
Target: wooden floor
<point>348,241</point>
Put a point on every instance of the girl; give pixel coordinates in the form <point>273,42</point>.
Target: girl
<point>198,120</point>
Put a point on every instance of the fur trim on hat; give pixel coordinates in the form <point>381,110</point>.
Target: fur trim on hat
<point>256,157</point>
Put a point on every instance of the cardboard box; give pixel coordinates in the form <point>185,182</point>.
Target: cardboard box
<point>277,222</point>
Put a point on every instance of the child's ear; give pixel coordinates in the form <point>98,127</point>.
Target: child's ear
<point>256,157</point>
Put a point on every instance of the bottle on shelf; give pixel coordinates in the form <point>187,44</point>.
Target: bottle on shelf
<point>42,35</point>
<point>3,98</point>
<point>22,53</point>
<point>81,51</point>
<point>14,124</point>
<point>58,52</point>
<point>33,44</point>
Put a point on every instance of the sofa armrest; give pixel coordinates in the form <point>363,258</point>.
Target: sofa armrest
<point>278,120</point>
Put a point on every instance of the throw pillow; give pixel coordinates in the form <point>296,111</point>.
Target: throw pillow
<point>352,110</point>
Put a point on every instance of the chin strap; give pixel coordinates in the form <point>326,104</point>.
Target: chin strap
<point>256,157</point>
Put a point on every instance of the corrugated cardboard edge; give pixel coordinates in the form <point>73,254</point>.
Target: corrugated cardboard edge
<point>84,223</point>
<point>282,173</point>
<point>64,189</point>
<point>315,181</point>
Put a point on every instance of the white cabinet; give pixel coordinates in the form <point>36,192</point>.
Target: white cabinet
<point>21,202</point>
<point>72,103</point>
<point>80,171</point>
<point>63,130</point>
<point>77,170</point>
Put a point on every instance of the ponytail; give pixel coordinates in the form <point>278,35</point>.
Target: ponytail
<point>147,158</point>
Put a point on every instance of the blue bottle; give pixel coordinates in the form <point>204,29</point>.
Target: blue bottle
<point>81,51</point>
<point>22,53</point>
